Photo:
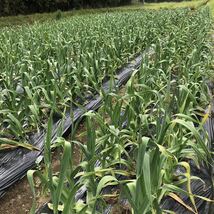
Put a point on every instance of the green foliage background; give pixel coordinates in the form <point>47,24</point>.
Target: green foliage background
<point>15,7</point>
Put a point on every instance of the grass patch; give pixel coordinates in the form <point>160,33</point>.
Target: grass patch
<point>172,5</point>
<point>211,4</point>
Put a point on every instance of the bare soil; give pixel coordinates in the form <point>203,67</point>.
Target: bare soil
<point>18,199</point>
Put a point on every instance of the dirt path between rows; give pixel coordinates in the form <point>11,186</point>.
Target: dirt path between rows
<point>17,200</point>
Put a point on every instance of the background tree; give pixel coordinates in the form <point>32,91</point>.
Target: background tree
<point>15,7</point>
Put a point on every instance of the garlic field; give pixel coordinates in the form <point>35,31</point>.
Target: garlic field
<point>147,148</point>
